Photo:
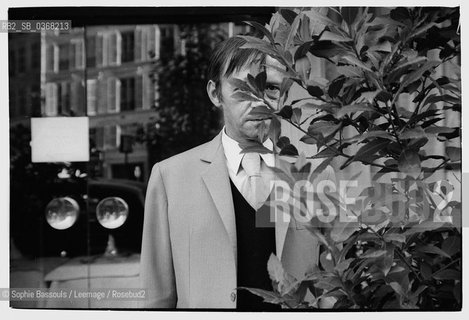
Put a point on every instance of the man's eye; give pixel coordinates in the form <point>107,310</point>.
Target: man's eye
<point>272,91</point>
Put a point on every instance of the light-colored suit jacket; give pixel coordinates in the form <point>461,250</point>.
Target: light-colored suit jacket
<point>188,257</point>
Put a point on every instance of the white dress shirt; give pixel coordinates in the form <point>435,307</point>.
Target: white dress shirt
<point>234,157</point>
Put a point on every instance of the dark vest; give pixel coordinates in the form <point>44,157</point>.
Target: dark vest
<point>255,244</point>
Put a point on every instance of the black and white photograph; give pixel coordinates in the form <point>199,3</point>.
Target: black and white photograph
<point>235,159</point>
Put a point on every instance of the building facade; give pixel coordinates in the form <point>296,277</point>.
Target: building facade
<point>103,72</point>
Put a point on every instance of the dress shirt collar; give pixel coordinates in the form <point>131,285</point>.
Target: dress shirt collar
<point>234,156</point>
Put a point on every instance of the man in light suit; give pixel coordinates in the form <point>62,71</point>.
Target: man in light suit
<point>200,241</point>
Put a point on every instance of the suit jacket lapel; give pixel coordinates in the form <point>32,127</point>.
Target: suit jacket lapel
<point>217,181</point>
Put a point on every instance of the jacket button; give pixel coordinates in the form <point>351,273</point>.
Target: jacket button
<point>233,296</point>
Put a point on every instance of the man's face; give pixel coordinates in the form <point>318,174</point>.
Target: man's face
<point>239,125</point>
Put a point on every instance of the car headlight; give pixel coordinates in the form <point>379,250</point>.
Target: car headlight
<point>112,212</point>
<point>62,213</point>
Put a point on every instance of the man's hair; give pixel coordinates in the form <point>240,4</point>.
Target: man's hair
<point>228,57</point>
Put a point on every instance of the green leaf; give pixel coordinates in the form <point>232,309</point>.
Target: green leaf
<point>293,31</point>
<point>315,91</point>
<point>284,282</point>
<point>296,116</point>
<point>260,80</point>
<point>416,75</point>
<point>432,249</point>
<point>344,265</point>
<point>308,139</point>
<point>239,84</point>
<point>448,274</point>
<point>403,68</point>
<point>261,45</point>
<point>373,253</point>
<point>354,61</point>
<point>260,112</point>
<point>331,36</point>
<point>283,141</point>
<point>286,112</point>
<point>451,245</point>
<point>325,49</point>
<point>352,108</point>
<point>424,226</point>
<point>323,128</point>
<point>409,163</point>
<point>398,289</point>
<point>335,86</point>
<point>318,17</point>
<point>243,96</point>
<point>288,15</point>
<point>326,261</point>
<point>262,29</point>
<point>268,296</point>
<point>371,148</point>
<point>274,129</point>
<point>302,50</point>
<point>383,96</point>
<point>454,153</point>
<point>320,168</point>
<point>289,150</point>
<point>325,153</point>
<point>394,237</point>
<point>370,134</point>
<point>253,147</point>
<point>285,86</point>
<point>414,133</point>
<point>438,130</point>
<point>341,231</point>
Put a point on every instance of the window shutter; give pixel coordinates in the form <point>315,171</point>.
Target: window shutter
<point>100,50</point>
<point>79,56</point>
<point>114,48</point>
<point>138,44</point>
<point>91,96</point>
<point>113,96</point>
<point>102,96</point>
<point>151,43</point>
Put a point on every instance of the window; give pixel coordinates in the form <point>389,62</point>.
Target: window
<point>21,60</point>
<point>52,58</point>
<point>91,96</point>
<point>147,42</point>
<point>77,60</point>
<point>111,137</point>
<point>114,52</point>
<point>51,99</point>
<point>91,52</point>
<point>127,93</point>
<point>113,95</point>
<point>64,56</point>
<point>128,45</point>
<point>35,56</point>
<point>99,138</point>
<point>63,95</point>
<point>101,50</point>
